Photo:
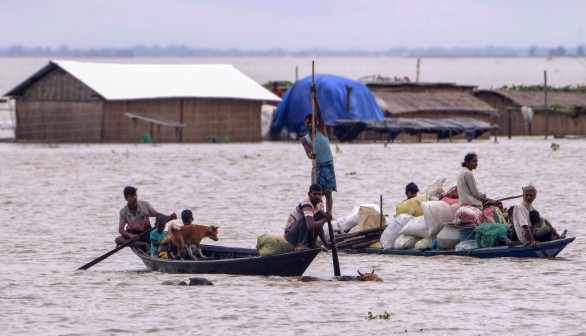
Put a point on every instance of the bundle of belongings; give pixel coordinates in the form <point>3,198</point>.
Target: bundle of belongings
<point>436,220</point>
<point>433,220</point>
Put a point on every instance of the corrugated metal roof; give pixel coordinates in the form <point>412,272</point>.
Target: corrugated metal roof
<point>148,81</point>
<point>413,102</point>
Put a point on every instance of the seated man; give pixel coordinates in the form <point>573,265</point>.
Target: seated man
<point>303,226</point>
<point>522,219</point>
<point>411,190</point>
<point>134,221</point>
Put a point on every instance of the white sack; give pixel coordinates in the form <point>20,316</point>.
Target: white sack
<point>391,232</point>
<point>406,242</point>
<point>415,227</point>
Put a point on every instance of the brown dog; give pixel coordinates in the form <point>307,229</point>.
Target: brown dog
<point>369,276</point>
<point>181,236</point>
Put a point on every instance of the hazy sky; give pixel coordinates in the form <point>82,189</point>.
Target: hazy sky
<point>293,24</point>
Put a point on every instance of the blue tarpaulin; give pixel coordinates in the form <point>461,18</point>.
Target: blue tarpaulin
<point>339,98</point>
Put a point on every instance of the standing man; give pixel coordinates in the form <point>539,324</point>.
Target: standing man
<point>306,221</point>
<point>528,233</point>
<point>134,220</point>
<point>324,164</point>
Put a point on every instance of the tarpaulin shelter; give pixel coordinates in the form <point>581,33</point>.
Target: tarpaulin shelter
<point>443,128</point>
<point>339,98</point>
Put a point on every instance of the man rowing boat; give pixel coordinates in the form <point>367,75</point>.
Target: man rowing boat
<point>134,219</point>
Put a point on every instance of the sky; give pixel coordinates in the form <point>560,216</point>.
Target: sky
<point>293,24</point>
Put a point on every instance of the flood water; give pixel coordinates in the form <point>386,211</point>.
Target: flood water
<point>59,208</point>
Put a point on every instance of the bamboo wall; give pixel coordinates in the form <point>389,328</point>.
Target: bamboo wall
<point>231,120</point>
<point>58,108</point>
<point>58,121</point>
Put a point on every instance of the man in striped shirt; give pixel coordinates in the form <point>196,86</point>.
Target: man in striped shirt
<point>306,220</point>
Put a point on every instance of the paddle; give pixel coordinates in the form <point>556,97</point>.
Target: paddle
<point>334,250</point>
<point>507,198</point>
<point>118,248</point>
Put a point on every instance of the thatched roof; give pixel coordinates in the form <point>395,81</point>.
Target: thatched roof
<point>425,102</point>
<point>535,99</point>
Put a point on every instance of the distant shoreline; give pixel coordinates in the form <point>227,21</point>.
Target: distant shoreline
<point>184,51</point>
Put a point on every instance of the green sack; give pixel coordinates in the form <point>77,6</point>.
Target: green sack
<point>424,244</point>
<point>488,233</point>
<point>269,244</point>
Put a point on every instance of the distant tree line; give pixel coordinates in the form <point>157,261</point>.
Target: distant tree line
<point>185,51</point>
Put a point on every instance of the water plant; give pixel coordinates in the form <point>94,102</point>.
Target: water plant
<point>383,316</point>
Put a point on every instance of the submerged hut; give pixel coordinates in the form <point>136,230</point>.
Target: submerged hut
<point>432,101</point>
<point>97,102</point>
<point>538,112</point>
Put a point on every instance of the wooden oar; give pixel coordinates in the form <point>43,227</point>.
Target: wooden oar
<point>334,250</point>
<point>118,248</point>
<point>507,198</point>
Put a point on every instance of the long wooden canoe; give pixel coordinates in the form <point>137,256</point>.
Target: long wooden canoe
<point>234,260</point>
<point>542,250</point>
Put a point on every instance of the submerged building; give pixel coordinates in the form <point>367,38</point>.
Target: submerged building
<point>69,101</point>
<point>537,112</point>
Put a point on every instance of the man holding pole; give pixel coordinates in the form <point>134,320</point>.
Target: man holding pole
<point>305,222</point>
<point>317,148</point>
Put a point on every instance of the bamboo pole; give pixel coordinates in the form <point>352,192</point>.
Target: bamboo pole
<point>381,211</point>
<point>545,102</point>
<point>314,151</point>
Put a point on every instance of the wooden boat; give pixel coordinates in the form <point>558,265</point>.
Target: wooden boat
<point>541,250</point>
<point>234,260</point>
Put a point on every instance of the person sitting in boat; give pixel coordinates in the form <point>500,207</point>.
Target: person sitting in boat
<point>157,237</point>
<point>468,192</point>
<point>512,233</point>
<point>411,190</point>
<point>134,220</point>
<point>187,217</point>
<point>541,228</point>
<point>526,233</point>
<point>306,220</point>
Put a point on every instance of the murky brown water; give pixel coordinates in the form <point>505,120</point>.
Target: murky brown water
<point>59,209</point>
